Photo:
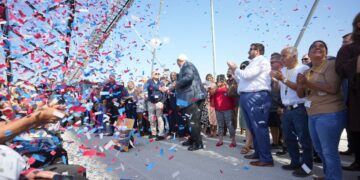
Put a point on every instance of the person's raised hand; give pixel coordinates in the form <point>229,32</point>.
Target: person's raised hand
<point>232,66</point>
<point>50,114</point>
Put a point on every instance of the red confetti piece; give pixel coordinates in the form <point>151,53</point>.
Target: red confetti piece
<point>89,153</point>
<point>171,157</point>
<point>53,153</point>
<point>100,154</point>
<point>37,35</point>
<point>31,160</point>
<point>78,109</point>
<point>81,170</point>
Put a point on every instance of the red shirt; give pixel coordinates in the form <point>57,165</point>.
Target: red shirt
<point>223,102</point>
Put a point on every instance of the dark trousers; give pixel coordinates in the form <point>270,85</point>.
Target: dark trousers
<point>192,115</point>
<point>256,106</point>
<point>114,113</point>
<point>174,120</point>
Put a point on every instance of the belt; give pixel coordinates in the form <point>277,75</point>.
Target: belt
<point>292,107</point>
<point>255,91</point>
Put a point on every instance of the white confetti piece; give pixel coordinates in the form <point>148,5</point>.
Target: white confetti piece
<point>108,145</point>
<point>175,174</point>
<point>58,114</point>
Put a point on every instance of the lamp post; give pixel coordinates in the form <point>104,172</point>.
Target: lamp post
<point>306,23</point>
<point>213,36</point>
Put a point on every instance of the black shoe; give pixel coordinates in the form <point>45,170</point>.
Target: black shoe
<point>152,136</point>
<point>300,173</point>
<point>317,159</point>
<point>159,138</point>
<point>195,147</point>
<point>290,167</point>
<point>353,167</point>
<point>346,153</point>
<point>187,143</point>
<point>108,134</point>
<point>281,153</point>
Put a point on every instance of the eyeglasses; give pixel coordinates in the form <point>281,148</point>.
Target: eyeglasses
<point>157,74</point>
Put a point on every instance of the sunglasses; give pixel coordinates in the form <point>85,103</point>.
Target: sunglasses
<point>157,74</point>
<point>305,59</point>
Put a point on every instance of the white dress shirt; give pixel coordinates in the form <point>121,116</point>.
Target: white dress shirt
<point>255,77</point>
<point>289,96</point>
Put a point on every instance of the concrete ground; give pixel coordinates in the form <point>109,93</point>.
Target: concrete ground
<point>169,160</point>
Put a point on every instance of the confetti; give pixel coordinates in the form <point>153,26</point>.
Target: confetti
<point>150,166</point>
<point>7,133</point>
<point>175,174</point>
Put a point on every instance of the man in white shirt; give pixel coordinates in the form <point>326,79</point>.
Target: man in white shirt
<point>295,118</point>
<point>255,100</point>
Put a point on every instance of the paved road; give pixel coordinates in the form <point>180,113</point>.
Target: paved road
<point>169,160</point>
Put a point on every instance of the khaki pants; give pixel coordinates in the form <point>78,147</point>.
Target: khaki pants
<point>155,116</point>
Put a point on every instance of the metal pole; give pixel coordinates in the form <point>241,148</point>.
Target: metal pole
<point>213,37</point>
<point>306,23</point>
<point>156,36</point>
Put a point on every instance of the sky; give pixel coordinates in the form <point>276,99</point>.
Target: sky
<point>184,27</point>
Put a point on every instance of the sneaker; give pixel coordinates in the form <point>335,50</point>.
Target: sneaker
<point>300,173</point>
<point>159,138</point>
<point>232,145</point>
<point>195,147</point>
<point>290,167</point>
<point>219,144</point>
<point>187,143</point>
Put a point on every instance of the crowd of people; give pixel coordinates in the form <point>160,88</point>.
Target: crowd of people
<point>303,106</point>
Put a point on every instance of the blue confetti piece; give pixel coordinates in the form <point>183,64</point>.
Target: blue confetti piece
<point>93,130</point>
<point>104,93</point>
<point>245,168</point>
<point>8,133</point>
<point>121,111</point>
<point>161,152</point>
<point>64,159</point>
<point>109,169</point>
<point>150,166</point>
<point>39,157</point>
<point>182,103</point>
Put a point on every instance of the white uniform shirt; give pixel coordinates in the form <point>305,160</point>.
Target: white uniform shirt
<point>255,77</point>
<point>289,96</point>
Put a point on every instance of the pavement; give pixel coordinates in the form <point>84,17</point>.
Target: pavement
<point>169,160</point>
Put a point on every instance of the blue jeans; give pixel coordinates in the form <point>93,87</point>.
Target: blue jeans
<point>325,130</point>
<point>256,108</point>
<point>295,128</point>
